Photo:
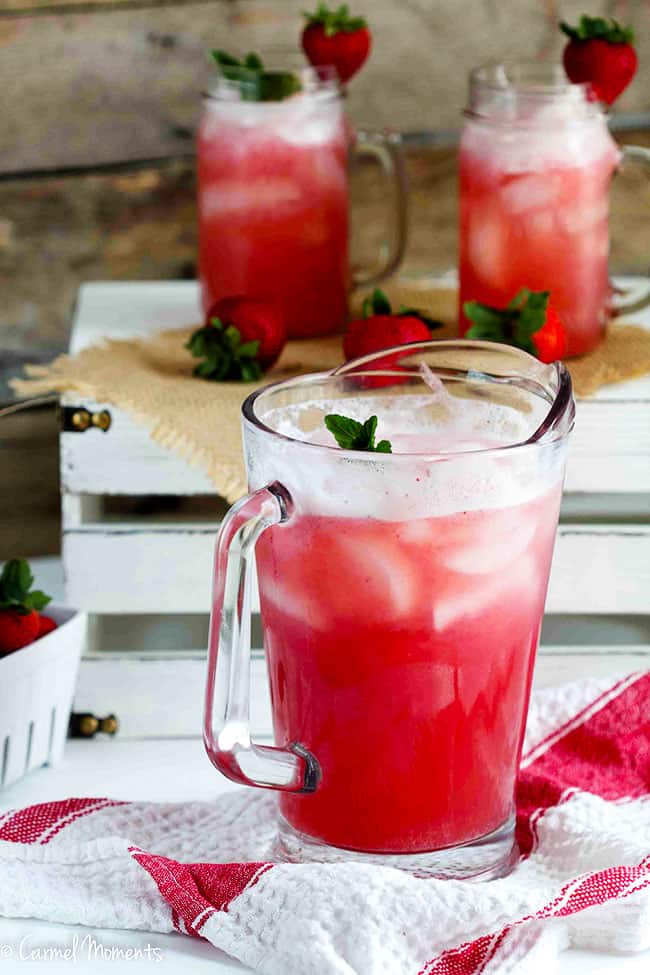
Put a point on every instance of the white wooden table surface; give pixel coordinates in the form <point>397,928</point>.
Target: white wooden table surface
<point>170,770</point>
<point>161,769</point>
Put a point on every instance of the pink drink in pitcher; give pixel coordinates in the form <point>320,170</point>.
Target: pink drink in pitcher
<point>401,598</point>
<point>273,207</point>
<point>536,163</point>
<point>421,655</point>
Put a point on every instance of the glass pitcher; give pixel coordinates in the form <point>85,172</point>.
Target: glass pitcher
<point>401,596</point>
<point>273,201</point>
<point>536,163</point>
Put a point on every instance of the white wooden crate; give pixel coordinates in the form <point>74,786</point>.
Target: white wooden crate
<point>138,564</point>
<point>610,448</point>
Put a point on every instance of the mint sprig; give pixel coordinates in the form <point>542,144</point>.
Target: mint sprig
<point>256,84</point>
<point>352,435</point>
<point>225,356</point>
<point>16,591</point>
<point>515,324</point>
<point>335,21</point>
<point>598,28</point>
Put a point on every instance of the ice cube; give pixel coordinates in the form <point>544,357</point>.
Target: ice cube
<point>522,194</point>
<point>236,197</point>
<point>487,245</point>
<point>466,597</point>
<point>375,569</point>
<point>492,542</point>
<point>583,217</point>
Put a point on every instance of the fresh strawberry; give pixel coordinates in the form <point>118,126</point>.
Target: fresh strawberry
<point>45,625</point>
<point>528,322</point>
<point>17,629</point>
<point>19,606</point>
<point>334,37</point>
<point>241,339</point>
<point>600,53</point>
<point>550,340</point>
<point>381,328</point>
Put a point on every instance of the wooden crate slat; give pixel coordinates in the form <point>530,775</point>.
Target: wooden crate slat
<point>596,569</point>
<point>609,452</point>
<point>121,683</point>
<point>609,449</point>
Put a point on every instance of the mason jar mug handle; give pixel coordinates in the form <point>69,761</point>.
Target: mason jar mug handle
<point>227,734</point>
<point>386,149</point>
<point>627,302</point>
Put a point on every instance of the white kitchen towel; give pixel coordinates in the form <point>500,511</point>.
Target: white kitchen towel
<point>204,868</point>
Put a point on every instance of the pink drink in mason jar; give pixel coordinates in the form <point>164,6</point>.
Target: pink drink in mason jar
<point>273,205</point>
<point>401,595</point>
<point>536,163</point>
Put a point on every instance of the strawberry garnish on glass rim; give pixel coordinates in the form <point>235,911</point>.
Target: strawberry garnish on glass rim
<point>528,322</point>
<point>336,37</point>
<point>600,54</point>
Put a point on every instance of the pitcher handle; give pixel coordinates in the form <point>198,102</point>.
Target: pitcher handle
<point>386,148</point>
<point>640,298</point>
<point>226,733</point>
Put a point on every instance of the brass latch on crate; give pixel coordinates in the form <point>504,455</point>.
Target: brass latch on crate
<point>77,419</point>
<point>86,725</point>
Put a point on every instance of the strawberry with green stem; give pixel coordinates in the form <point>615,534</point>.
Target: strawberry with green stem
<point>20,606</point>
<point>335,37</point>
<point>600,53</point>
<point>382,328</point>
<point>528,322</point>
<point>241,339</point>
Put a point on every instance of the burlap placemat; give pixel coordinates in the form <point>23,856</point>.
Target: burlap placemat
<point>151,379</point>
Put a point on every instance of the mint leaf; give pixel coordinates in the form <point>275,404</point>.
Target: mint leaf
<point>256,84</point>
<point>344,430</point>
<point>223,59</point>
<point>253,61</point>
<point>274,86</point>
<point>352,435</point>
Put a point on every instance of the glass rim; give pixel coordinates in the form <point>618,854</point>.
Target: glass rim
<point>561,404</point>
<point>526,79</point>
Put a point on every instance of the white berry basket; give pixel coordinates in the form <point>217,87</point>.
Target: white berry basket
<point>37,684</point>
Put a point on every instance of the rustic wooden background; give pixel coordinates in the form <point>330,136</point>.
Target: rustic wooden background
<point>100,100</point>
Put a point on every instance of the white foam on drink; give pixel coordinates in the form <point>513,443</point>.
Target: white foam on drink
<point>440,462</point>
<point>307,119</point>
<point>552,136</point>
